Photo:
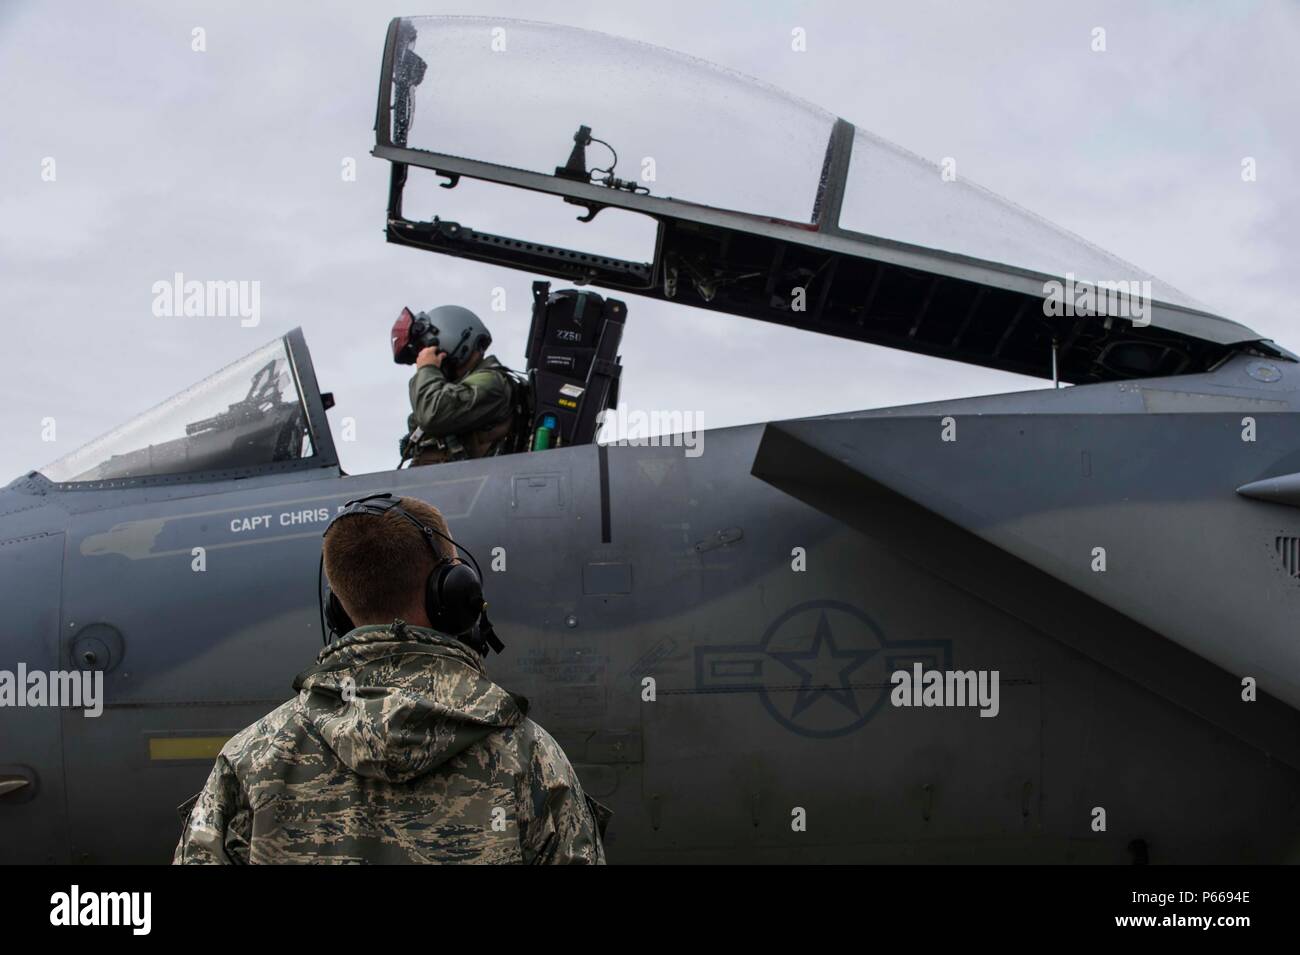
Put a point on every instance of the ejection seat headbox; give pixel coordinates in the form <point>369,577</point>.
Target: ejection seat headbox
<point>573,361</point>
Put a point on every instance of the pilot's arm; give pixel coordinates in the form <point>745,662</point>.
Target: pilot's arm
<point>441,407</point>
<point>559,824</point>
<point>219,826</point>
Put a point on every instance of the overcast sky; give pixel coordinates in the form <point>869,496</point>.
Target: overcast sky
<point>225,165</point>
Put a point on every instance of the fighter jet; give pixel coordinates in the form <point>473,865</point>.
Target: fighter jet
<point>1052,626</point>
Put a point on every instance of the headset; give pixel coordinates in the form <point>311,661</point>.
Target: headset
<point>453,593</point>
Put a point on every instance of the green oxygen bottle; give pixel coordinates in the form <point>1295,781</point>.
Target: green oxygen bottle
<point>542,439</point>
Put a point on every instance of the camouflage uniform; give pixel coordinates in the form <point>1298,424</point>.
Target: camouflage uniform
<point>429,762</point>
<point>476,410</point>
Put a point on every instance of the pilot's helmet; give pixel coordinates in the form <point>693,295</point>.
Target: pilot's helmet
<point>454,329</point>
<point>458,330</point>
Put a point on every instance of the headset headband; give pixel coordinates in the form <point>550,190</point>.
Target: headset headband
<point>380,504</point>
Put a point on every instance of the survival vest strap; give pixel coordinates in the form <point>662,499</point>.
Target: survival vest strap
<point>521,412</point>
<point>506,435</point>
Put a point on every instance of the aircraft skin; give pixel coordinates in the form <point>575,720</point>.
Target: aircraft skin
<point>771,684</point>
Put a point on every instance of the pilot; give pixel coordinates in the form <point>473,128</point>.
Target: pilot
<point>398,748</point>
<point>462,399</point>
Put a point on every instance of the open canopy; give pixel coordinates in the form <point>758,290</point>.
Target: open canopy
<point>757,194</point>
<point>511,94</point>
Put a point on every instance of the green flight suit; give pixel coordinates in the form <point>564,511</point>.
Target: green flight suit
<point>476,410</point>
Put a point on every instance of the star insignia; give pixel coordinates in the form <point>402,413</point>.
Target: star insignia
<point>823,669</point>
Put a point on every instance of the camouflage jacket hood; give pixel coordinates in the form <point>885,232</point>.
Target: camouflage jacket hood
<point>394,702</point>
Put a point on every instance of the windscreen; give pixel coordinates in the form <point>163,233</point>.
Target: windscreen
<point>895,194</point>
<point>247,414</point>
<point>514,94</point>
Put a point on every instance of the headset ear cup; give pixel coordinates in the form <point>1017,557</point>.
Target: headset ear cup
<point>337,621</point>
<point>453,598</point>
